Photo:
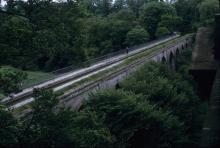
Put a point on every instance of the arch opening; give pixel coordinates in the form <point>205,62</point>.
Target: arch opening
<point>172,61</point>
<point>117,86</point>
<point>171,58</point>
<point>164,60</point>
<point>177,52</point>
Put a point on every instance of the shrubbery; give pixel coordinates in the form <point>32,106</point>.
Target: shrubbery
<point>162,31</point>
<point>137,36</point>
<point>11,80</point>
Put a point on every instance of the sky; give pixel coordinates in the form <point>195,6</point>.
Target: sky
<point>3,2</point>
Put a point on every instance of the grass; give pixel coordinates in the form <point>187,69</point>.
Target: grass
<point>2,96</point>
<point>35,77</point>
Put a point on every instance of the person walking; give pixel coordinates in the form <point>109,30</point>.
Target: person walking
<point>127,50</point>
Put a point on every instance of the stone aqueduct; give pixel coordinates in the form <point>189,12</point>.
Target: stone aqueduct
<point>171,54</point>
<point>74,97</point>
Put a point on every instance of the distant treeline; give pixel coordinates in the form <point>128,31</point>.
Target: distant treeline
<point>44,35</point>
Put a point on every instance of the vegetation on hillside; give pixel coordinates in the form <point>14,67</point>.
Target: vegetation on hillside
<point>47,35</point>
<point>154,107</point>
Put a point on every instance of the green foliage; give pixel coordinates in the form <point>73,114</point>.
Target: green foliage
<point>56,127</point>
<point>170,90</point>
<point>106,35</point>
<point>152,13</point>
<point>11,79</point>
<point>162,31</point>
<point>89,131</point>
<point>128,118</point>
<point>123,14</point>
<point>195,13</point>
<point>154,107</point>
<point>8,129</point>
<point>207,10</point>
<point>137,36</point>
<point>15,41</point>
<point>34,77</point>
<point>43,35</point>
<point>135,5</point>
<point>172,23</point>
<point>49,38</point>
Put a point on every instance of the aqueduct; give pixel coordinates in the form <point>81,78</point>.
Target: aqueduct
<point>166,53</point>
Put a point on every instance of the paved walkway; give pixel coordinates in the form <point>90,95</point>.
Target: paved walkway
<point>211,129</point>
<point>81,71</point>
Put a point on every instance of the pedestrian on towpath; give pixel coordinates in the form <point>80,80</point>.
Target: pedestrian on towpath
<point>127,50</point>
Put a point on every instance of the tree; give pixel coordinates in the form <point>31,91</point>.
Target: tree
<point>137,36</point>
<point>101,7</point>
<point>152,13</point>
<point>119,5</point>
<point>106,35</point>
<point>162,31</point>
<point>125,15</point>
<point>132,122</point>
<point>135,5</point>
<point>15,39</point>
<point>189,12</point>
<point>172,23</point>
<point>52,126</point>
<point>11,79</point>
<point>171,91</point>
<point>8,129</point>
<point>207,10</point>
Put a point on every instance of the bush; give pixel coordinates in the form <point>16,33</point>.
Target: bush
<point>169,90</point>
<point>12,79</point>
<point>8,129</point>
<point>162,31</point>
<point>207,10</point>
<point>133,122</point>
<point>136,36</point>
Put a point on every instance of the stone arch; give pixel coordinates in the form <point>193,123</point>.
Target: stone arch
<point>171,57</point>
<point>163,60</point>
<point>186,45</point>
<point>177,52</point>
<point>117,86</point>
<point>172,60</point>
<point>182,46</point>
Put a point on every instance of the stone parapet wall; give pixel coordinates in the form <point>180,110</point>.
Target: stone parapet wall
<point>74,98</point>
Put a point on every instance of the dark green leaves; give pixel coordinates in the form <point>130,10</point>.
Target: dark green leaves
<point>11,80</point>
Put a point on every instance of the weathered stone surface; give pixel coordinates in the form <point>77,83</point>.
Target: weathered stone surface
<point>211,128</point>
<point>202,56</point>
<point>217,37</point>
<point>203,67</point>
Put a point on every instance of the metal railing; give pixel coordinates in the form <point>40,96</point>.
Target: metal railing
<point>94,61</point>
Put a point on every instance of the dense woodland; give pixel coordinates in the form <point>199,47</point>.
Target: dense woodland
<point>154,107</point>
<point>44,35</point>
